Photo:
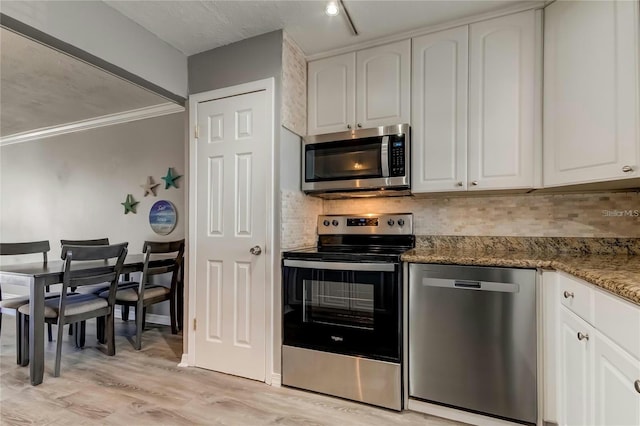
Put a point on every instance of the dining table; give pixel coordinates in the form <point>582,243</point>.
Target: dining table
<point>37,276</point>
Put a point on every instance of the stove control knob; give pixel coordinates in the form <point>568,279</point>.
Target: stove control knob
<point>334,222</point>
<point>326,222</point>
<point>401,222</point>
<point>390,222</point>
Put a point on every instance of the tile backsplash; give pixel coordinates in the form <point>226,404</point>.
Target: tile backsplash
<point>607,214</point>
<point>299,218</point>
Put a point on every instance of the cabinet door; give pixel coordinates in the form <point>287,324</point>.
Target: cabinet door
<point>383,85</point>
<point>591,115</point>
<point>502,102</point>
<point>439,111</point>
<point>575,370</point>
<point>617,401</point>
<point>332,94</point>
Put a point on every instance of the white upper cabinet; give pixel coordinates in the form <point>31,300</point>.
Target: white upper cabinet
<point>332,94</point>
<point>479,135</point>
<point>502,94</point>
<point>591,115</point>
<point>383,85</point>
<point>368,88</point>
<point>439,111</point>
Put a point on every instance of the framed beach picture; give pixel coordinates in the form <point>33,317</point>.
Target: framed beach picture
<point>163,217</point>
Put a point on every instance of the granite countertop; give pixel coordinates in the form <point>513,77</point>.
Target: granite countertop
<point>617,273</point>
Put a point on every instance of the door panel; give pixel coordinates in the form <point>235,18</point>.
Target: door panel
<point>616,399</point>
<point>576,366</point>
<point>383,94</point>
<point>440,73</point>
<point>501,102</point>
<point>591,124</point>
<point>232,163</point>
<point>332,94</point>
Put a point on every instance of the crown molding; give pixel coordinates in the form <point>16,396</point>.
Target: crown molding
<point>93,123</point>
<point>520,7</point>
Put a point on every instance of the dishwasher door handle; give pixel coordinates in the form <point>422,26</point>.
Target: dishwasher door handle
<point>470,285</point>
<point>467,284</point>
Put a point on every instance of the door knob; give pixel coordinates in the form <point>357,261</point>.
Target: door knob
<point>474,183</point>
<point>567,294</point>
<point>256,250</point>
<point>582,336</point>
<point>349,126</point>
<point>359,125</point>
<point>636,384</point>
<point>627,169</point>
<point>459,184</point>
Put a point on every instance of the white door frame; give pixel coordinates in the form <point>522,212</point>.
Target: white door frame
<point>268,86</point>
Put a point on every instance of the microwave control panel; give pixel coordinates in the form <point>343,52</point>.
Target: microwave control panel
<point>397,157</point>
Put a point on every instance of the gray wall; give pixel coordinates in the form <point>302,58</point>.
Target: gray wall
<point>256,58</point>
<point>71,186</point>
<point>248,60</point>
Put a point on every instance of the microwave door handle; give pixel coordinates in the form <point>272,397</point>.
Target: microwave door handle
<point>384,156</point>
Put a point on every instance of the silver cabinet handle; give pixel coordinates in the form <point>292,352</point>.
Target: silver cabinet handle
<point>359,125</point>
<point>474,183</point>
<point>256,250</point>
<point>567,294</point>
<point>636,385</point>
<point>349,126</point>
<point>583,336</point>
<point>627,169</point>
<point>459,184</point>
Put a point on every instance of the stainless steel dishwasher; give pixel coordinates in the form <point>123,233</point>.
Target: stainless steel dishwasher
<point>472,339</point>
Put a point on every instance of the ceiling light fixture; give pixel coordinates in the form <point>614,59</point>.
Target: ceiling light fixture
<point>332,9</point>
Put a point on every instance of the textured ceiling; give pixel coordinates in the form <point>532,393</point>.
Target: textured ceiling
<point>196,26</point>
<point>41,87</point>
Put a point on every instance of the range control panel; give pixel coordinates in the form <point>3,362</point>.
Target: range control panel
<point>382,224</point>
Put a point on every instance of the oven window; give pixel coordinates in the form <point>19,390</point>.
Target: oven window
<point>338,303</point>
<point>343,160</point>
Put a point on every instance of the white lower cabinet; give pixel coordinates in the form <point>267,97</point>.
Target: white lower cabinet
<point>616,384</point>
<point>575,368</point>
<point>597,381</point>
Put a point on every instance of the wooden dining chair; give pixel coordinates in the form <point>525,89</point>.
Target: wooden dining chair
<point>159,258</point>
<point>10,306</point>
<point>77,308</point>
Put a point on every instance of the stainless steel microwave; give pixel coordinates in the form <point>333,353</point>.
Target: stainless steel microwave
<point>362,162</point>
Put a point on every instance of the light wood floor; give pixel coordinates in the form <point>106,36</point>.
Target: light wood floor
<point>147,387</point>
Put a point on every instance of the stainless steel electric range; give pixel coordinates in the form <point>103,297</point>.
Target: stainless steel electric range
<point>342,309</point>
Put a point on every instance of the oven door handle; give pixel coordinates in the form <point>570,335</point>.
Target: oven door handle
<point>341,266</point>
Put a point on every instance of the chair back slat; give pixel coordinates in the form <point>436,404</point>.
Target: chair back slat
<point>91,252</point>
<point>31,247</point>
<point>158,270</point>
<point>93,279</point>
<point>163,247</point>
<point>96,242</point>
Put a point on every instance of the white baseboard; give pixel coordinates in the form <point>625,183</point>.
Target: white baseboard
<point>184,362</point>
<point>456,415</point>
<point>152,318</point>
<point>276,380</point>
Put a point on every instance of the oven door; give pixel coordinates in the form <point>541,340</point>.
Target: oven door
<point>343,307</point>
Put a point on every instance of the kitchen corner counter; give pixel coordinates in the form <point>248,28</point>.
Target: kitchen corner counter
<point>616,273</point>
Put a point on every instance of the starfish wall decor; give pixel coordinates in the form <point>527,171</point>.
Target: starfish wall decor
<point>130,204</point>
<point>149,187</point>
<point>170,179</point>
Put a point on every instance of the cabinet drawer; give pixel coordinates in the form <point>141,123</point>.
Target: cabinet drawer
<point>619,320</point>
<point>576,296</point>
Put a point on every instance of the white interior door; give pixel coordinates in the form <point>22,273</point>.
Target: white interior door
<point>232,161</point>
